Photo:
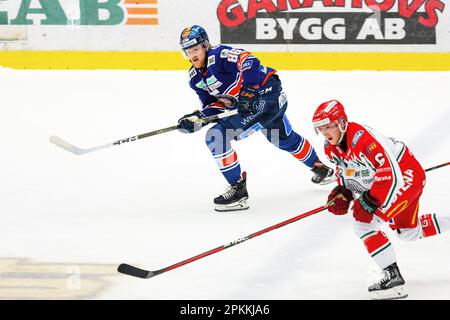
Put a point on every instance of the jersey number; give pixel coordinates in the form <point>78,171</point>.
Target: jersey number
<point>233,55</point>
<point>379,158</point>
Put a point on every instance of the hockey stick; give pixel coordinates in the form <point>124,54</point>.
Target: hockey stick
<point>145,274</point>
<point>78,151</point>
<point>437,167</point>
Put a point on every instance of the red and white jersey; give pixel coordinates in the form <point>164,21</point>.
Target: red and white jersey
<point>372,162</point>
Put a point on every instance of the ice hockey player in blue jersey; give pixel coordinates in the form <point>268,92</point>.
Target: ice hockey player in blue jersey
<point>227,78</point>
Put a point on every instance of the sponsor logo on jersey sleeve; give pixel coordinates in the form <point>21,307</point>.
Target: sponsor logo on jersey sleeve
<point>372,147</point>
<point>357,137</point>
<point>247,65</point>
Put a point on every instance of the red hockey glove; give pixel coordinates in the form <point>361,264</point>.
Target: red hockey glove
<point>364,207</point>
<point>342,198</point>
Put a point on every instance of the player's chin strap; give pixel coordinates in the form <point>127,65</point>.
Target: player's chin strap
<point>343,130</point>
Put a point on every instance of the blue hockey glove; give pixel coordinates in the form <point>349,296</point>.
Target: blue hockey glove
<point>188,123</point>
<point>247,100</point>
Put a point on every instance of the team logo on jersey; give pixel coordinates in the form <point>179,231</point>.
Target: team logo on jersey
<point>357,137</point>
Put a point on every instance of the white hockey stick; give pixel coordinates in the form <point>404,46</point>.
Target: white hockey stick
<point>79,151</point>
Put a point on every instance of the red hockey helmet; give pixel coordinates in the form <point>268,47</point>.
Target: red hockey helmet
<point>329,112</point>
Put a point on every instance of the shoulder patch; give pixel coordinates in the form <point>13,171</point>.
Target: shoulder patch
<point>247,65</point>
<point>211,61</point>
<point>224,53</point>
<point>357,137</point>
<point>192,72</point>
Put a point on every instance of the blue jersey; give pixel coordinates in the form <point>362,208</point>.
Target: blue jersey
<point>227,71</point>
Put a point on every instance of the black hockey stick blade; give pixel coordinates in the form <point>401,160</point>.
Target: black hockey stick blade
<point>135,272</point>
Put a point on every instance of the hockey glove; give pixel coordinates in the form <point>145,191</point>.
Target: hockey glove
<point>342,198</point>
<point>247,100</point>
<point>191,122</point>
<point>364,208</point>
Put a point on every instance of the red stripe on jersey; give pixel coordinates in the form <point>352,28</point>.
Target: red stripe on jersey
<point>237,88</point>
<point>376,241</point>
<point>303,152</point>
<point>267,78</point>
<point>244,55</point>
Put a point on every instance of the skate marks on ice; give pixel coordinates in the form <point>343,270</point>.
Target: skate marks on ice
<point>22,278</point>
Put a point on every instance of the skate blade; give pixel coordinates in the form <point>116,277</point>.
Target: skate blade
<point>235,206</point>
<point>326,181</point>
<point>398,292</point>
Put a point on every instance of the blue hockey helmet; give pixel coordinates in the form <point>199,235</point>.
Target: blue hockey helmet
<point>193,36</point>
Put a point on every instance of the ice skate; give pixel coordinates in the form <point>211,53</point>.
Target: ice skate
<point>391,286</point>
<point>234,198</point>
<point>322,174</point>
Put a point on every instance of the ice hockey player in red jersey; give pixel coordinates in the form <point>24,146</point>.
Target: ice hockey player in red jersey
<point>385,181</point>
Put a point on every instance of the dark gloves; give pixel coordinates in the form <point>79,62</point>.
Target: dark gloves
<point>247,100</point>
<point>342,198</point>
<point>190,123</point>
<point>364,208</point>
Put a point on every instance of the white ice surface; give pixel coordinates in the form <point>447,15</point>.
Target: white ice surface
<point>149,203</point>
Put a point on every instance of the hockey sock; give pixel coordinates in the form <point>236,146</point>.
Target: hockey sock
<point>304,152</point>
<point>380,248</point>
<point>229,166</point>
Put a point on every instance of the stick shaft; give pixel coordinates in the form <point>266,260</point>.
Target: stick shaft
<point>133,271</point>
<point>437,167</point>
<point>78,151</point>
